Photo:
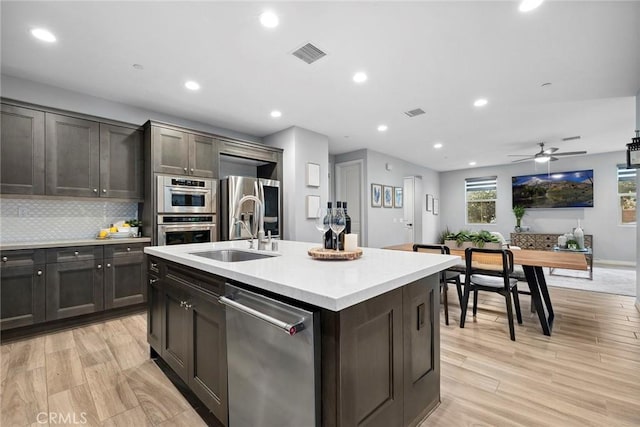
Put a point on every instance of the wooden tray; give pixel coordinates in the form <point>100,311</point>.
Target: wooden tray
<point>332,254</point>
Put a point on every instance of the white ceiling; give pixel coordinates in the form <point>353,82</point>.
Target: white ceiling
<point>438,56</point>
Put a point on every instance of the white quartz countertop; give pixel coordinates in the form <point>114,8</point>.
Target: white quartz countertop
<point>67,243</point>
<point>333,285</point>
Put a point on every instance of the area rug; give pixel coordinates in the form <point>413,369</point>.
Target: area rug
<point>611,280</point>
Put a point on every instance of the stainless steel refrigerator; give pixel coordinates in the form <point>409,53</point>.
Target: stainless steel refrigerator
<point>232,189</point>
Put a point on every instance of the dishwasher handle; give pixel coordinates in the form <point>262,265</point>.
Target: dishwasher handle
<point>288,328</point>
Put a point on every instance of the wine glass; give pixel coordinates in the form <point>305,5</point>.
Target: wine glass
<point>322,221</point>
<point>338,222</point>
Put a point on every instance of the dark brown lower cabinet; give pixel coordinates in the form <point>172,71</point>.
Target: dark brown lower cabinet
<point>175,349</point>
<point>421,311</point>
<point>155,301</point>
<point>74,288</point>
<point>125,281</point>
<point>380,358</point>
<point>22,295</point>
<point>190,321</point>
<point>208,352</point>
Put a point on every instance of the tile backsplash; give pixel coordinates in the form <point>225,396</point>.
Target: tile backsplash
<point>26,220</point>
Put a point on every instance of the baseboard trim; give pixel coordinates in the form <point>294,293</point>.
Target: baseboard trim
<point>613,262</point>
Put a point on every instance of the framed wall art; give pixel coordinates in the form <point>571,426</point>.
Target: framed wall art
<point>313,175</point>
<point>387,196</point>
<point>312,205</point>
<point>376,195</point>
<point>429,202</point>
<point>397,197</point>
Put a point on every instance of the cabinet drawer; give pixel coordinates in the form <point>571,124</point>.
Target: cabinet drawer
<point>125,249</point>
<point>74,253</point>
<point>22,257</point>
<point>207,282</point>
<point>546,242</point>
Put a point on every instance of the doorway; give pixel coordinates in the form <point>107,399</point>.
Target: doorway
<point>350,188</point>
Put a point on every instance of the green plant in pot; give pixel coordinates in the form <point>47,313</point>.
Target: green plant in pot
<point>572,244</point>
<point>460,238</point>
<point>519,212</point>
<point>482,237</point>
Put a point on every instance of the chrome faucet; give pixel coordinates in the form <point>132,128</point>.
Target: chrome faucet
<point>262,242</point>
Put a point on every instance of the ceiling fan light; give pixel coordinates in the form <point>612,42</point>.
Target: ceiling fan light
<point>542,159</point>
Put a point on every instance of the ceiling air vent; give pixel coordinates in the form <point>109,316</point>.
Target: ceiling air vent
<point>413,113</point>
<point>309,53</point>
<point>571,138</point>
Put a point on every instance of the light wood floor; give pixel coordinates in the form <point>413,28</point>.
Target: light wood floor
<point>586,374</point>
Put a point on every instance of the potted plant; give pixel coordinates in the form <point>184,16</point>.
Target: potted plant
<point>459,240</point>
<point>134,225</point>
<point>519,212</point>
<point>572,244</point>
<point>484,239</point>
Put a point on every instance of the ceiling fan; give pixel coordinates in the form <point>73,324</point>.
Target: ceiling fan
<point>545,154</point>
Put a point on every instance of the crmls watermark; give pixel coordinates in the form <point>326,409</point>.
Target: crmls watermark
<point>61,418</point>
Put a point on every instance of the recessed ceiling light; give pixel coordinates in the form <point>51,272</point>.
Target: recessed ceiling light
<point>269,20</point>
<point>437,145</point>
<point>276,114</point>
<point>472,163</point>
<point>360,77</point>
<point>138,66</point>
<point>191,85</point>
<point>529,5</point>
<point>44,35</point>
<point>480,102</point>
<point>382,128</point>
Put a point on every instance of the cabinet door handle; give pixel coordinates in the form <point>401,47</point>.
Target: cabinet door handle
<point>5,259</point>
<point>185,169</point>
<point>39,272</point>
<point>191,170</point>
<point>182,303</point>
<point>187,306</point>
<point>104,190</point>
<point>154,265</point>
<point>129,250</point>
<point>99,266</point>
<point>108,265</point>
<point>152,281</point>
<point>76,253</point>
<point>95,190</point>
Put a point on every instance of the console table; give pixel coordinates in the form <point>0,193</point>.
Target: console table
<point>549,242</point>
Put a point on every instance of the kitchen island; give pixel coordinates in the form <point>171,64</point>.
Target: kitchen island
<point>378,357</point>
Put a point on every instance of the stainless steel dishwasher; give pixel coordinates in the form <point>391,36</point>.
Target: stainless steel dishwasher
<point>273,355</point>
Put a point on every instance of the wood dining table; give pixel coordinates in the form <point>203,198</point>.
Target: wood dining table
<point>532,263</point>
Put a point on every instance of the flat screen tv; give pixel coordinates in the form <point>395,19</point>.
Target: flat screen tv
<point>572,189</point>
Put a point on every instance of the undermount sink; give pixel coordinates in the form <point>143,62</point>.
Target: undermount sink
<point>231,255</point>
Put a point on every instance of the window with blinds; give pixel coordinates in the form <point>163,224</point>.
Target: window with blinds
<point>627,195</point>
<point>481,196</point>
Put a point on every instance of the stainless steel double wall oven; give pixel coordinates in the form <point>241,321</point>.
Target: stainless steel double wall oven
<point>186,210</point>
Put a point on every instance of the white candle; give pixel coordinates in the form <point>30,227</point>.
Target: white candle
<point>350,242</point>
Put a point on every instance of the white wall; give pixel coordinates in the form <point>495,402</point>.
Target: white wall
<point>612,242</point>
<point>383,226</point>
<point>55,97</point>
<point>300,147</point>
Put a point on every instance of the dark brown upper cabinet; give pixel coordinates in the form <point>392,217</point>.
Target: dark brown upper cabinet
<point>22,151</point>
<point>121,162</point>
<point>180,153</point>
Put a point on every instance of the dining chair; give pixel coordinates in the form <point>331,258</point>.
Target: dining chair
<point>446,276</point>
<point>482,275</point>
